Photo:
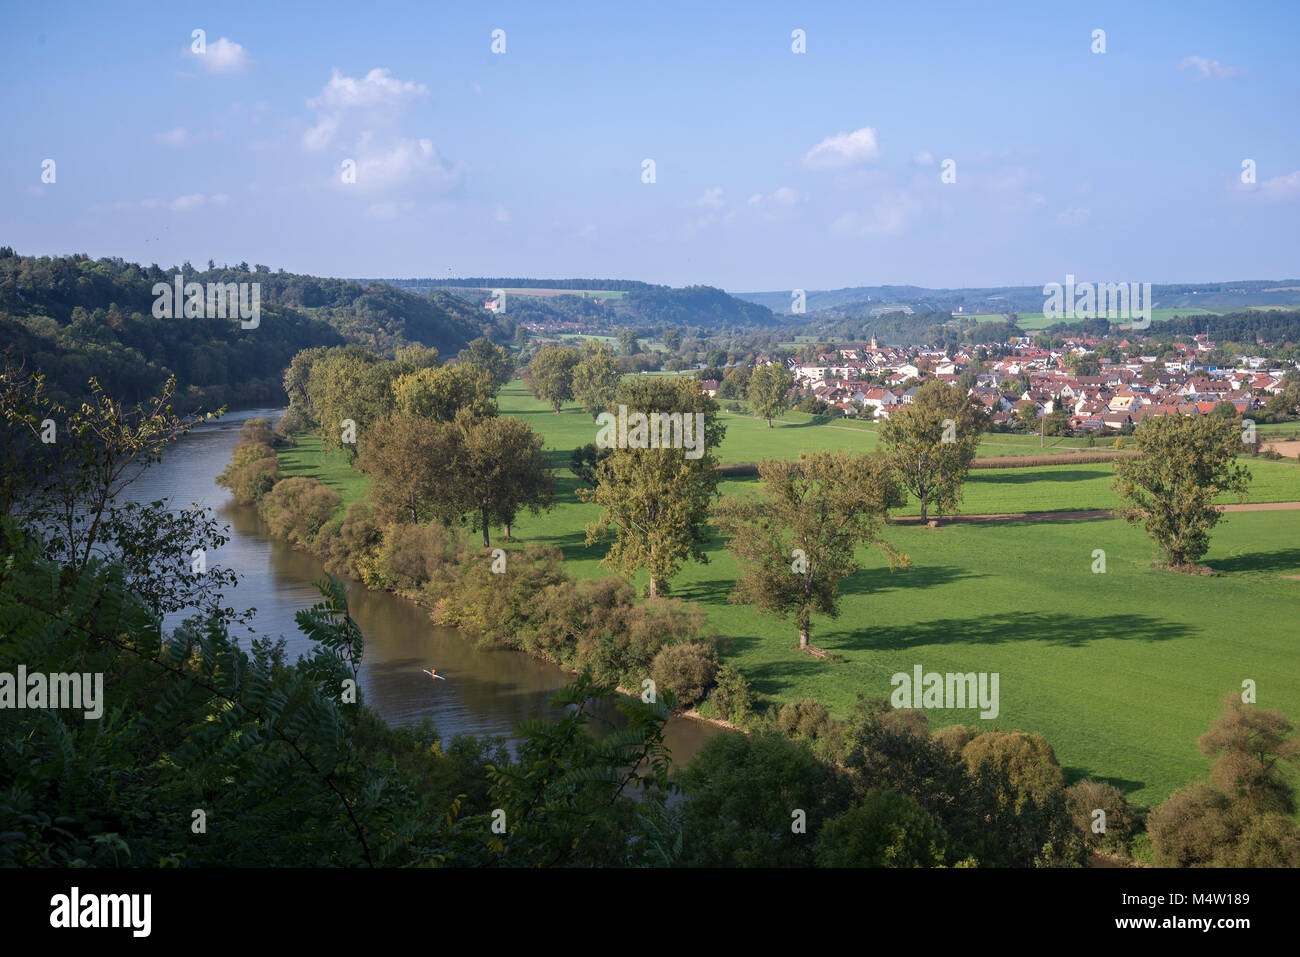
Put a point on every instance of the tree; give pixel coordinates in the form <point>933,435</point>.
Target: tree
<point>888,830</point>
<point>550,375</point>
<point>796,544</point>
<point>595,378</point>
<point>504,471</point>
<point>930,444</point>
<point>439,393</point>
<point>1187,462</point>
<point>769,391</point>
<point>491,358</point>
<point>672,340</point>
<point>414,465</point>
<point>627,342</point>
<point>657,499</point>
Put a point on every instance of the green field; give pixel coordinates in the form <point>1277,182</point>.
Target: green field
<point>1121,671</point>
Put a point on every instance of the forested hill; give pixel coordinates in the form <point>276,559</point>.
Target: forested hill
<point>73,317</point>
<point>633,304</point>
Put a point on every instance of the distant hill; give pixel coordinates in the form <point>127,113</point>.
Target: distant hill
<point>862,300</point>
<point>73,317</point>
<point>629,303</point>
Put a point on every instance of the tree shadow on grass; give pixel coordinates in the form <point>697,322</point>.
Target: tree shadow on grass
<point>876,581</point>
<point>1282,558</point>
<point>1030,476</point>
<point>1071,631</point>
<point>1074,775</point>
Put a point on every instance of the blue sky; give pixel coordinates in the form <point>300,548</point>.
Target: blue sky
<point>773,170</point>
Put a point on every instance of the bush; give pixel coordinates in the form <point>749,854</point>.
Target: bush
<point>686,669</point>
<point>289,423</point>
<point>250,480</point>
<point>1194,826</point>
<point>1119,444</point>
<point>351,551</point>
<point>888,830</point>
<point>955,737</point>
<point>257,430</point>
<point>296,508</point>
<point>806,718</point>
<point>409,556</point>
<point>732,699</point>
<point>1085,797</point>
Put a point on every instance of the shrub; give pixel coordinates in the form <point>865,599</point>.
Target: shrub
<point>350,552</point>
<point>252,479</point>
<point>955,737</point>
<point>257,430</point>
<point>410,556</point>
<point>686,669</point>
<point>1194,826</point>
<point>888,830</point>
<point>732,699</point>
<point>806,718</point>
<point>1085,797</point>
<point>296,508</point>
<point>1119,444</point>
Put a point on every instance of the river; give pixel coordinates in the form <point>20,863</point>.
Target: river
<point>487,691</point>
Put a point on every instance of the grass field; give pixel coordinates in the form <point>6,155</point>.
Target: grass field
<point>1121,671</point>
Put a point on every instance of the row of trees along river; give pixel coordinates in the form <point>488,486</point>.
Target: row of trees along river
<point>487,691</point>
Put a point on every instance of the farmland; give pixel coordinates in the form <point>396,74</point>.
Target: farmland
<point>1122,671</point>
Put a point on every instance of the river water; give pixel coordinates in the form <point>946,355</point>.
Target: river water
<point>487,691</point>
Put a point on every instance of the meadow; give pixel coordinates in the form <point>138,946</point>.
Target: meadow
<point>1122,671</point>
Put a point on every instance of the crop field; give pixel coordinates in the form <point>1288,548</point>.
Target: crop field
<point>1121,670</point>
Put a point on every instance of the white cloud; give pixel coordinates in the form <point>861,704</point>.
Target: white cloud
<point>405,161</point>
<point>223,56</point>
<point>191,201</point>
<point>176,137</point>
<point>1279,189</point>
<point>1208,68</point>
<point>1073,216</point>
<point>711,198</point>
<point>501,214</point>
<point>923,158</point>
<point>781,198</point>
<point>843,150</point>
<point>375,99</point>
<point>887,218</point>
<point>376,88</point>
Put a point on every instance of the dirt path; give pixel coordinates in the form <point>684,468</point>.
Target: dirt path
<point>1075,516</point>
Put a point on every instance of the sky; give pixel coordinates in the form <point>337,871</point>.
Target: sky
<point>934,144</point>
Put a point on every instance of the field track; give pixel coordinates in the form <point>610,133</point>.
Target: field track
<point>1080,515</point>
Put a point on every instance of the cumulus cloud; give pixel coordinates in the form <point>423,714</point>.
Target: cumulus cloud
<point>501,214</point>
<point>403,162</point>
<point>923,158</point>
<point>377,88</point>
<point>372,99</point>
<point>843,150</point>
<point>1206,68</point>
<point>176,137</point>
<point>223,56</point>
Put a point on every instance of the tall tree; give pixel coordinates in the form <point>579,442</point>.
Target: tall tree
<point>796,543</point>
<point>504,471</point>
<point>492,358</point>
<point>657,499</point>
<point>550,375</point>
<point>1187,462</point>
<point>415,469</point>
<point>595,378</point>
<point>930,444</point>
<point>439,393</point>
<point>627,342</point>
<point>769,390</point>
